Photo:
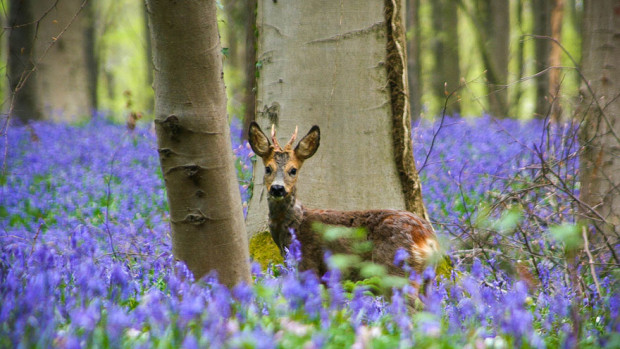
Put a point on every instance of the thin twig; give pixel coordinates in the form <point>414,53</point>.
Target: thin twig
<point>586,247</point>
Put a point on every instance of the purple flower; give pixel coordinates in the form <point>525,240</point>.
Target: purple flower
<point>87,318</point>
<point>293,251</point>
<point>190,342</point>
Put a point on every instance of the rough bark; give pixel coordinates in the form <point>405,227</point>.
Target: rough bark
<point>445,77</point>
<point>193,139</point>
<point>600,130</point>
<point>343,68</point>
<point>55,57</point>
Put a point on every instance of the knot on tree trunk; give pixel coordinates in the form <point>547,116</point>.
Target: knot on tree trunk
<point>171,125</point>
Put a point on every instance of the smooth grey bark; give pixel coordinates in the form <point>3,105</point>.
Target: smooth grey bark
<point>193,140</point>
<point>49,47</point>
<point>342,67</point>
<point>600,130</point>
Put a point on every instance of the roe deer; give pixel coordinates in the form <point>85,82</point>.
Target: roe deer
<point>388,230</point>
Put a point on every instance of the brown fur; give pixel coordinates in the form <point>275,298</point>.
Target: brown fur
<point>388,230</point>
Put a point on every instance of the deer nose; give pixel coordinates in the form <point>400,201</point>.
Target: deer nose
<point>277,190</point>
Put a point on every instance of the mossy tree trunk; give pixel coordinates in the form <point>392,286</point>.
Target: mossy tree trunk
<point>193,139</point>
<point>342,67</point>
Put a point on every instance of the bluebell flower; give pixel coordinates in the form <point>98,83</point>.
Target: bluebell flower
<point>190,342</point>
<point>400,257</point>
<point>87,318</point>
<point>293,251</point>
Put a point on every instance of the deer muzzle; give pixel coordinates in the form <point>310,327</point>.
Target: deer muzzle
<point>277,191</point>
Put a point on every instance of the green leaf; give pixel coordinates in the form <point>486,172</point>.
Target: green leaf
<point>509,220</point>
<point>370,269</point>
<point>331,233</point>
<point>344,261</point>
<point>568,234</point>
<point>389,281</point>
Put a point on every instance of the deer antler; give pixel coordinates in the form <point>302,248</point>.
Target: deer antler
<point>274,140</point>
<point>290,143</point>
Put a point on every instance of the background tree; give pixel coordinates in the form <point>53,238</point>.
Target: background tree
<point>194,140</point>
<point>344,68</point>
<point>555,59</point>
<point>414,38</point>
<point>50,44</point>
<point>250,65</point>
<point>548,17</point>
<point>491,18</point>
<point>445,46</point>
<point>600,131</point>
<point>495,35</point>
<point>542,27</point>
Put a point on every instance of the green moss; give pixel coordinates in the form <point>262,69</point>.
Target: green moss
<point>263,250</point>
<point>444,267</point>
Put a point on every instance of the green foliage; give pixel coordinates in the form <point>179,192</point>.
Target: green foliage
<point>567,234</point>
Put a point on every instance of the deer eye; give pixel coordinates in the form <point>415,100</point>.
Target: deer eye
<point>292,171</point>
<point>268,170</point>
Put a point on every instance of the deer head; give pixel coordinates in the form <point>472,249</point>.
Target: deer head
<point>282,164</point>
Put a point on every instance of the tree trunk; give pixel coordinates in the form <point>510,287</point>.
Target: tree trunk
<point>542,47</point>
<point>413,58</point>
<point>445,77</point>
<point>193,139</point>
<point>600,131</point>
<point>497,28</point>
<point>92,64</point>
<point>20,61</point>
<point>491,20</point>
<point>40,44</point>
<point>250,66</point>
<point>519,56</point>
<point>555,59</point>
<point>150,105</point>
<point>343,68</point>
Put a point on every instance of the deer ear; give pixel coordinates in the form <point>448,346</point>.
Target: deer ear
<point>309,144</point>
<point>258,141</point>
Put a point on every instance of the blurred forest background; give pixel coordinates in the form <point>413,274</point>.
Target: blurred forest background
<point>513,58</point>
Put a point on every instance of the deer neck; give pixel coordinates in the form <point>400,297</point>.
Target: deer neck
<point>284,214</point>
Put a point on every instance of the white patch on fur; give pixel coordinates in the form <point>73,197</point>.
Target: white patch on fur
<point>421,252</point>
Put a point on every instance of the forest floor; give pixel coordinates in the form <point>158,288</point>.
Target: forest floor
<point>85,255</point>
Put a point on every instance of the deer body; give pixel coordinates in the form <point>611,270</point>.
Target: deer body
<point>387,230</point>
